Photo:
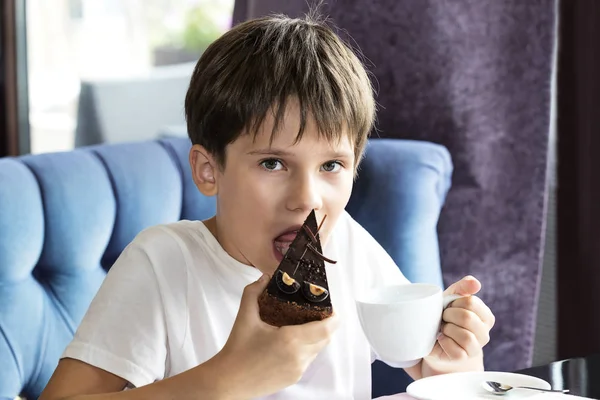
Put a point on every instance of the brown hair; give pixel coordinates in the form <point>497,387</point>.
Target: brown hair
<point>258,65</point>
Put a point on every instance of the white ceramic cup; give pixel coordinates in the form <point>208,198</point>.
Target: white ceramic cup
<point>402,322</point>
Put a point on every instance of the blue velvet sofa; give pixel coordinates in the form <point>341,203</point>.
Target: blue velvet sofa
<point>65,218</point>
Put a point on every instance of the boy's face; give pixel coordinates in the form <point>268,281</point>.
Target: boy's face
<point>266,190</point>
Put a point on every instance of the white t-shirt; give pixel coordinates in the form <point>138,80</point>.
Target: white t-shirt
<point>169,302</point>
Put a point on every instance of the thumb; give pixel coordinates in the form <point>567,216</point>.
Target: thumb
<point>466,286</point>
<point>253,291</point>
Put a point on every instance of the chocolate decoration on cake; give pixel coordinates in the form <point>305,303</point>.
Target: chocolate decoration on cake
<point>286,283</point>
<point>298,291</point>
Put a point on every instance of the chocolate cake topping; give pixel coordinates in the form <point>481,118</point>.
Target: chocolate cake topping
<point>309,233</point>
<point>298,291</point>
<point>321,256</point>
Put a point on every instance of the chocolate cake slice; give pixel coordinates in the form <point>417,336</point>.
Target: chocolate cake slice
<point>298,291</point>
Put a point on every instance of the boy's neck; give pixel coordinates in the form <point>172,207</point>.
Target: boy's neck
<point>211,225</point>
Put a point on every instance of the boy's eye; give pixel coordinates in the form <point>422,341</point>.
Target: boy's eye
<point>271,164</point>
<point>331,166</point>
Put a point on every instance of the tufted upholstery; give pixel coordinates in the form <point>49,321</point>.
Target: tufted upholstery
<point>65,217</point>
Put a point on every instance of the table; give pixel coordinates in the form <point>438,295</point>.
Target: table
<point>580,375</point>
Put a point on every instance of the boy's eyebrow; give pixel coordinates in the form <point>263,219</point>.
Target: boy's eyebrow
<point>284,153</point>
<point>270,152</point>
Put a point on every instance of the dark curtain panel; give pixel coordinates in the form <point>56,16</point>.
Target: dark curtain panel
<point>14,106</point>
<point>475,76</point>
<point>578,213</point>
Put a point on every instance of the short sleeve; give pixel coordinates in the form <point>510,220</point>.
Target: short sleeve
<point>124,331</point>
<point>369,263</point>
<point>373,264</point>
<point>385,271</point>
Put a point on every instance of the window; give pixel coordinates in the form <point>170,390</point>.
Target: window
<point>98,40</point>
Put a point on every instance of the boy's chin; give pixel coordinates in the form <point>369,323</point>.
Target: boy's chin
<point>273,263</point>
<point>270,269</point>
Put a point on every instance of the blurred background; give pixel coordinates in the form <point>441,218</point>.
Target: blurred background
<point>100,57</point>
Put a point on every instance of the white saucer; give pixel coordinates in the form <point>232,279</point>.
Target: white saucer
<point>467,386</point>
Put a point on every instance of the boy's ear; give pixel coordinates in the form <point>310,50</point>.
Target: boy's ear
<point>204,170</point>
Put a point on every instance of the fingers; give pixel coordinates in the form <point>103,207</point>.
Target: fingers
<point>478,307</point>
<point>249,302</point>
<point>467,285</point>
<point>468,320</point>
<point>253,290</point>
<point>316,331</point>
<point>467,323</point>
<point>458,343</point>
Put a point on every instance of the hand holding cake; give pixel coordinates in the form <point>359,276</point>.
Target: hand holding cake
<point>264,358</point>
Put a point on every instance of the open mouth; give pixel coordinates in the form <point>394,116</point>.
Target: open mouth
<point>282,247</point>
<point>281,243</point>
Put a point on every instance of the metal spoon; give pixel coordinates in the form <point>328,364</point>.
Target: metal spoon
<point>500,389</point>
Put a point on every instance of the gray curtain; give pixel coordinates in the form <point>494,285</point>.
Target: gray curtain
<point>475,76</point>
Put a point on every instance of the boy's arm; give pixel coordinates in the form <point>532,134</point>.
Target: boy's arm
<point>257,360</point>
<point>75,377</point>
<point>75,380</point>
<point>422,370</point>
<point>415,371</point>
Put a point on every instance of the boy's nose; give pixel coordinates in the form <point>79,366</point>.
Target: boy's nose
<point>305,196</point>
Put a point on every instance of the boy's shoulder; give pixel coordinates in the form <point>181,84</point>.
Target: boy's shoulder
<point>166,242</point>
<point>347,231</point>
<point>170,233</point>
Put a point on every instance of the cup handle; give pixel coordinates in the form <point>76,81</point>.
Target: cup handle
<point>449,298</point>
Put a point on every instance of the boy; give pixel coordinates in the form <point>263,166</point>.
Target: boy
<point>278,111</point>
